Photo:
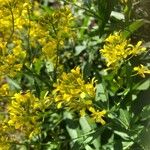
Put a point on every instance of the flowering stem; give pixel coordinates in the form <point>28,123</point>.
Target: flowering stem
<point>57,53</point>
<point>13,25</point>
<point>29,47</point>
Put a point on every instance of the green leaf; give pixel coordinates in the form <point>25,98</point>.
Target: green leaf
<point>142,86</point>
<point>101,93</point>
<point>22,147</point>
<point>104,11</point>
<point>72,131</point>
<point>38,65</point>
<point>79,49</point>
<point>132,28</point>
<point>124,118</point>
<point>13,83</point>
<point>84,27</point>
<point>127,145</point>
<point>145,114</point>
<point>124,135</point>
<point>87,127</point>
<point>87,147</point>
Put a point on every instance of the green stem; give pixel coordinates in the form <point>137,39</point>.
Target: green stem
<point>13,25</point>
<point>87,10</point>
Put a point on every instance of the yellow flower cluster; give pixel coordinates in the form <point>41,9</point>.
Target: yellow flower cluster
<point>25,113</point>
<point>22,36</point>
<point>59,24</point>
<point>13,16</point>
<point>142,70</point>
<point>11,59</point>
<point>97,115</point>
<point>6,136</point>
<point>3,144</point>
<point>74,94</point>
<point>117,49</point>
<point>4,90</point>
<point>4,94</point>
<point>12,54</point>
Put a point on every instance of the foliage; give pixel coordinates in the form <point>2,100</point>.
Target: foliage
<point>73,76</point>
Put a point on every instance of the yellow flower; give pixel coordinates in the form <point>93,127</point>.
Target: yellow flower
<point>59,27</point>
<point>4,143</point>
<point>50,50</point>
<point>114,50</point>
<point>137,49</point>
<point>117,49</point>
<point>97,115</point>
<point>4,90</point>
<point>73,93</point>
<point>25,113</point>
<point>142,70</point>
<point>6,134</point>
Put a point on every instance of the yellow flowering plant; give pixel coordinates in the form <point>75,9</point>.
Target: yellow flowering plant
<point>117,49</point>
<point>142,70</point>
<point>73,76</point>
